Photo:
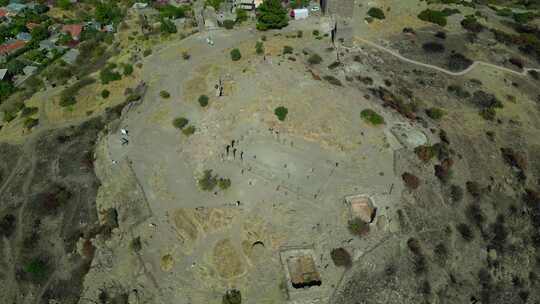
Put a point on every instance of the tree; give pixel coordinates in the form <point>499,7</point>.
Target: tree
<point>235,54</point>
<point>281,113</point>
<point>376,12</point>
<point>203,100</point>
<point>208,181</point>
<point>108,12</point>
<point>6,89</point>
<point>241,15</point>
<point>63,4</point>
<point>259,48</point>
<point>271,15</point>
<point>180,122</point>
<point>168,26</point>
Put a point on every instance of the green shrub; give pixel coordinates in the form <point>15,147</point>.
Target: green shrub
<point>376,12</point>
<point>316,33</point>
<point>287,49</point>
<point>299,34</point>
<point>164,94</point>
<point>241,15</point>
<point>433,16</point>
<point>332,80</point>
<point>358,227</point>
<point>228,24</point>
<point>271,15</point>
<point>281,113</point>
<point>208,181</point>
<point>235,54</point>
<point>30,122</point>
<point>259,48</point>
<point>232,297</point>
<point>435,113</point>
<point>203,100</point>
<point>314,59</point>
<point>128,69</point>
<point>147,52</point>
<point>186,56</point>
<point>105,94</point>
<point>188,131</point>
<point>224,183</point>
<point>171,11</point>
<point>66,101</point>
<point>180,122</point>
<point>168,26</point>
<point>28,111</point>
<point>372,117</point>
<point>108,74</point>
<point>341,257</point>
<point>37,269</point>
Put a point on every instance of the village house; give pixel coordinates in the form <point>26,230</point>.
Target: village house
<point>11,46</point>
<point>74,30</point>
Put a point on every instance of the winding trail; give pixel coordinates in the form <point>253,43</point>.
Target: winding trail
<point>434,67</point>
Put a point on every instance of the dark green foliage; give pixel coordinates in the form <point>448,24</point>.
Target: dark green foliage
<point>372,117</point>
<point>241,15</point>
<point>433,16</point>
<point>232,296</point>
<point>172,12</point>
<point>435,113</point>
<point>37,269</point>
<point>128,69</point>
<point>358,227</point>
<point>108,12</point>
<point>30,122</point>
<point>180,122</point>
<point>8,225</point>
<point>456,193</point>
<point>465,232</point>
<point>214,3</point>
<point>109,74</point>
<point>441,253</point>
<point>105,94</point>
<point>203,100</point>
<point>472,25</point>
<point>136,244</point>
<point>259,48</point>
<point>271,15</point>
<point>475,214</point>
<point>287,50</point>
<point>334,65</point>
<point>186,55</point>
<point>376,12</point>
<point>208,181</point>
<point>228,24</point>
<point>281,113</point>
<point>167,26</point>
<point>314,59</point>
<point>458,91</point>
<point>433,47</point>
<point>224,183</point>
<point>28,111</point>
<point>6,89</point>
<point>164,94</point>
<point>188,130</point>
<point>458,62</point>
<point>333,80</point>
<point>235,55</point>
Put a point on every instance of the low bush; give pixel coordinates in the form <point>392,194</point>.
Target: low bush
<point>232,297</point>
<point>30,122</point>
<point>333,80</point>
<point>433,16</point>
<point>372,117</point>
<point>465,232</point>
<point>235,55</point>
<point>108,74</point>
<point>164,94</point>
<point>188,130</point>
<point>180,122</point>
<point>456,193</point>
<point>128,69</point>
<point>434,113</point>
<point>287,49</point>
<point>341,257</point>
<point>433,47</point>
<point>281,113</point>
<point>105,94</point>
<point>228,24</point>
<point>414,246</point>
<point>376,13</point>
<point>472,25</point>
<point>186,55</point>
<point>208,181</point>
<point>458,62</point>
<point>314,59</point>
<point>425,152</point>
<point>224,183</point>
<point>259,48</point>
<point>203,100</point>
<point>358,227</point>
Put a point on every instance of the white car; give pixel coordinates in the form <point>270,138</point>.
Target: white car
<point>315,9</point>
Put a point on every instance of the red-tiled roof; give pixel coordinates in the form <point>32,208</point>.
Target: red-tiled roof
<point>73,29</point>
<point>3,13</point>
<point>8,48</point>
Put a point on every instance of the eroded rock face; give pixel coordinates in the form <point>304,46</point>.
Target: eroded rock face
<point>409,136</point>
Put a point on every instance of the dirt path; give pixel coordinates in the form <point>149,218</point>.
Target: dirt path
<point>430,66</point>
